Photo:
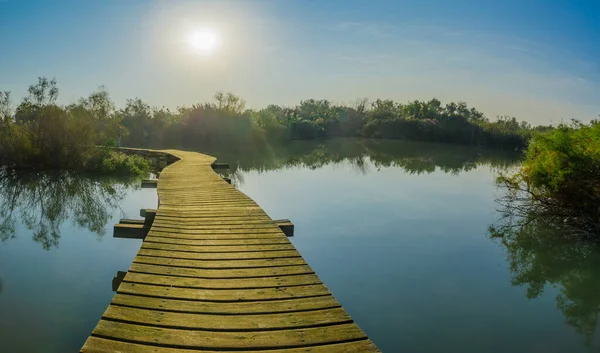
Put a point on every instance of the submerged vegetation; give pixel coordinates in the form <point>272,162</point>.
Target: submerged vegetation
<point>41,134</point>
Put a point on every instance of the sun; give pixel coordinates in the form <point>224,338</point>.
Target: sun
<point>203,41</point>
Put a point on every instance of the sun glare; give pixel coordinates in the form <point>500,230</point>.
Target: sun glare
<point>203,41</point>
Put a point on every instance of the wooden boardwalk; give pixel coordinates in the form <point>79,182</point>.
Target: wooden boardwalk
<point>216,274</point>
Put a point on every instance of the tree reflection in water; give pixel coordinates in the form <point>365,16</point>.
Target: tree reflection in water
<point>44,201</point>
<point>364,156</point>
<point>543,251</point>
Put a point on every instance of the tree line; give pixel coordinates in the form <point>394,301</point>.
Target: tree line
<point>40,132</point>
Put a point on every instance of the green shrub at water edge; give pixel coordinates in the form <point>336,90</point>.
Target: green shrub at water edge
<point>560,175</point>
<point>116,163</point>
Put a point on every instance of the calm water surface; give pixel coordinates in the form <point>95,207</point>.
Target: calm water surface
<point>398,231</point>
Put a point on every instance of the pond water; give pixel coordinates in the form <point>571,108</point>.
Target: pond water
<point>398,231</point>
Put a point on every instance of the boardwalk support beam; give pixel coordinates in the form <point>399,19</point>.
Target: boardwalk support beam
<point>150,183</point>
<point>220,166</point>
<point>135,228</point>
<point>286,226</point>
<point>116,282</point>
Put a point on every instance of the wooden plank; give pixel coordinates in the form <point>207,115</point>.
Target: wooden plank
<point>180,217</point>
<point>149,183</point>
<point>224,295</point>
<point>212,221</point>
<point>218,256</point>
<point>101,345</point>
<point>221,283</point>
<point>286,226</point>
<point>200,208</point>
<point>213,213</point>
<point>203,232</point>
<point>223,273</point>
<point>218,248</point>
<point>207,204</point>
<point>180,226</point>
<point>130,231</point>
<point>217,242</point>
<point>131,221</point>
<point>211,196</point>
<point>228,340</point>
<point>257,322</point>
<point>208,264</point>
<point>240,234</point>
<point>227,308</point>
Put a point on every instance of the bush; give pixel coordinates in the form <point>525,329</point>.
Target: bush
<point>116,163</point>
<point>561,174</point>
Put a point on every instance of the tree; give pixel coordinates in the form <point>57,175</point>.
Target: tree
<point>43,93</point>
<point>5,106</point>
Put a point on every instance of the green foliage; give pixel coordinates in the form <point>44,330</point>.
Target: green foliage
<point>224,123</point>
<point>561,174</point>
<point>42,134</point>
<point>110,162</point>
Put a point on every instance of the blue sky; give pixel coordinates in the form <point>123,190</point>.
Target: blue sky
<point>536,60</point>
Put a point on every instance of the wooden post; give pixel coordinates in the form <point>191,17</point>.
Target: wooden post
<point>150,183</point>
<point>286,227</point>
<point>131,221</point>
<point>216,165</point>
<point>116,282</point>
<point>149,217</point>
<point>130,231</point>
<point>144,210</point>
<point>162,162</point>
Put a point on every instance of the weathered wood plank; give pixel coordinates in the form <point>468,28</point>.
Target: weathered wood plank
<point>218,248</point>
<point>101,345</point>
<point>217,242</point>
<point>241,234</point>
<point>221,283</point>
<point>225,308</point>
<point>258,322</point>
<point>247,231</point>
<point>211,221</point>
<point>209,264</point>
<point>228,340</point>
<point>222,273</point>
<point>224,295</point>
<point>218,256</point>
<point>193,227</point>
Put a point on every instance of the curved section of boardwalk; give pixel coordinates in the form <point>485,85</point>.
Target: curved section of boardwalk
<point>216,274</point>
